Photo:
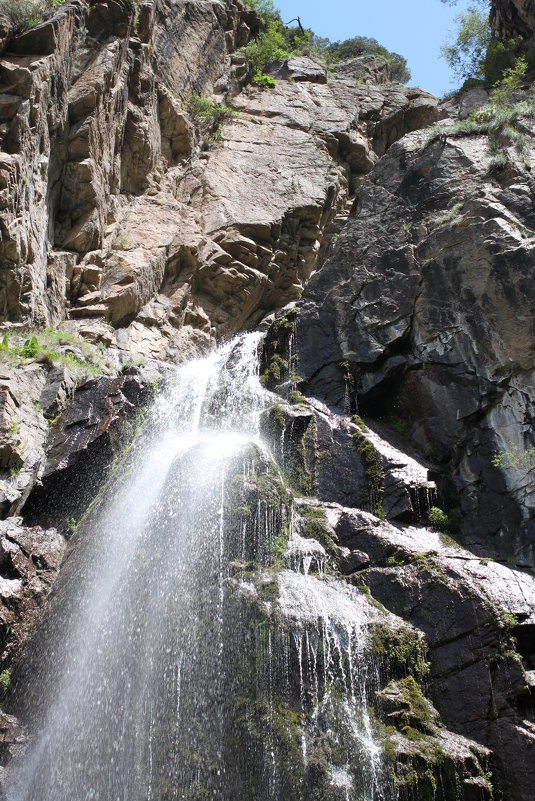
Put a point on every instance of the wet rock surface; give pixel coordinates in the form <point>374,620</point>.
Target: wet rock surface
<point>478,620</point>
<point>30,559</point>
<point>428,299</point>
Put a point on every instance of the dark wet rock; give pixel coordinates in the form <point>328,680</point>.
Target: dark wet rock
<point>478,617</point>
<point>82,446</point>
<point>29,560</point>
<point>428,300</point>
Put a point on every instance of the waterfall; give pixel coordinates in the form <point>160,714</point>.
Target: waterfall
<point>195,647</point>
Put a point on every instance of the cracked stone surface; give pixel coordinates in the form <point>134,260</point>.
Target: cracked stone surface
<point>120,208</point>
<point>429,299</point>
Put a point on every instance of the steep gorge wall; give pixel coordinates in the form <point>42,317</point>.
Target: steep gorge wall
<point>128,219</point>
<point>119,208</point>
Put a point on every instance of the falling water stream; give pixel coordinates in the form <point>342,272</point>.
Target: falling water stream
<point>179,659</point>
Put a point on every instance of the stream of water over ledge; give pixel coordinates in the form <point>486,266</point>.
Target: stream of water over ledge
<point>195,648</point>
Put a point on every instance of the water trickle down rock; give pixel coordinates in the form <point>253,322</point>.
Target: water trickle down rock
<point>178,648</point>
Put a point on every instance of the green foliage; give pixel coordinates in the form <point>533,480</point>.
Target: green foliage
<point>267,48</point>
<point>264,81</point>
<point>373,467</point>
<point>465,55</point>
<point>5,680</point>
<point>511,82</point>
<point>296,397</point>
<point>347,374</point>
<point>364,46</point>
<point>402,652</point>
<point>476,57</point>
<point>274,371</point>
<point>271,488</point>
<point>266,9</point>
<point>284,325</point>
<point>313,525</point>
<point>14,427</point>
<point>30,349</point>
<point>208,114</point>
<point>358,421</point>
<point>438,518</point>
<point>507,620</point>
<point>278,416</point>
<point>500,121</point>
<point>42,345</point>
<point>24,14</point>
<point>515,457</point>
<point>501,55</point>
<point>452,216</point>
<point>414,698</point>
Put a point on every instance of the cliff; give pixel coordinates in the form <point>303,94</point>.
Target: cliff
<point>154,202</point>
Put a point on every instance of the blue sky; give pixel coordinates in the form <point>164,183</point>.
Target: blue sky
<point>414,28</point>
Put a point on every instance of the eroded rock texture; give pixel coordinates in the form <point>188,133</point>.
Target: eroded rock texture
<point>154,232</point>
<point>117,207</point>
<point>429,299</point>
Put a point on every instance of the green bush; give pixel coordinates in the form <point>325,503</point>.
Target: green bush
<point>363,46</point>
<point>24,14</point>
<point>265,81</point>
<point>269,47</point>
<point>5,679</point>
<point>500,55</point>
<point>41,345</point>
<point>511,82</point>
<point>209,115</point>
<point>30,349</point>
<point>439,519</point>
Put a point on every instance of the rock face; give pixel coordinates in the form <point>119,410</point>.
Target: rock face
<point>136,218</point>
<point>153,228</point>
<point>414,573</point>
<point>428,298</point>
<point>30,559</point>
<point>65,416</point>
<point>512,18</point>
<point>478,616</point>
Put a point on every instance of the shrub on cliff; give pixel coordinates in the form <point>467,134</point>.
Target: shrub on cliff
<point>364,46</point>
<point>24,14</point>
<point>475,56</point>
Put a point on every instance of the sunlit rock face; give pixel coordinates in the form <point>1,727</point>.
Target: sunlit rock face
<point>121,206</point>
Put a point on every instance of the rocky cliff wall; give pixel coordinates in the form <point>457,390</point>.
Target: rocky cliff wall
<point>428,298</point>
<point>151,230</point>
<point>123,204</point>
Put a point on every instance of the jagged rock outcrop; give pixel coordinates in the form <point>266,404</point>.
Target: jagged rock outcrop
<point>159,231</point>
<point>428,298</point>
<point>29,560</point>
<point>513,18</point>
<point>483,605</point>
<point>477,615</point>
<point>65,414</point>
<point>115,208</point>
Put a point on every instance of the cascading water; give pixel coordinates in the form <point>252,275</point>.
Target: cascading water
<point>188,652</point>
